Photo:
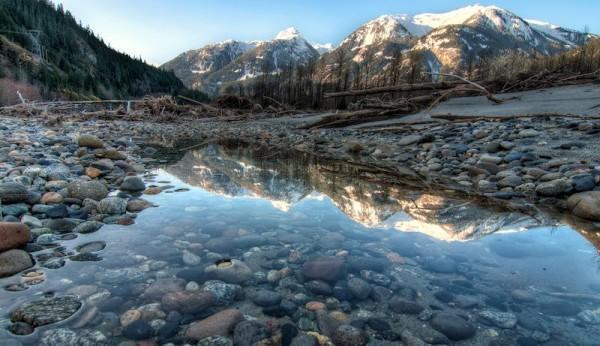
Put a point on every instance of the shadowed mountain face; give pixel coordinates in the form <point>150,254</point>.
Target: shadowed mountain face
<point>288,180</point>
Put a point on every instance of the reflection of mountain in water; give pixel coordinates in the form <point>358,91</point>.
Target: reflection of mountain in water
<point>287,179</point>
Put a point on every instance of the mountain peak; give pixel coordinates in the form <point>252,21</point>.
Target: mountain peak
<point>290,33</point>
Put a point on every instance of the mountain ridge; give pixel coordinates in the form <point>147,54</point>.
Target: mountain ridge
<point>446,41</point>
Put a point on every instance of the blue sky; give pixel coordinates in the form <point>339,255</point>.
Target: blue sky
<point>159,30</point>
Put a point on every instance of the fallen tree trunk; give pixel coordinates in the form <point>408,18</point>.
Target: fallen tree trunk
<point>398,88</point>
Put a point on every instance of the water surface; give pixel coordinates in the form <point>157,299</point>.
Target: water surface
<point>442,253</point>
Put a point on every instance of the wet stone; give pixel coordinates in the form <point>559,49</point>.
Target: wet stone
<point>225,293</point>
<point>247,333</point>
<point>324,268</point>
<point>348,335</point>
<point>503,320</point>
<point>46,311</point>
<point>188,301</point>
<point>14,261</point>
<point>319,287</point>
<point>138,330</point>
<point>452,326</point>
<point>403,306</point>
<point>359,288</point>
<point>221,323</point>
<point>88,227</point>
<point>266,298</point>
<point>94,246</point>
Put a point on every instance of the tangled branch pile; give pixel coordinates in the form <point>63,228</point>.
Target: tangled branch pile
<point>160,109</point>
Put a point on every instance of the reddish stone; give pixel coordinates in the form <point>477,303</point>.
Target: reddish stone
<point>188,301</point>
<point>221,323</point>
<point>52,197</point>
<point>13,235</point>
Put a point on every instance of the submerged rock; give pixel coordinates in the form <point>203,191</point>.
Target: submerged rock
<point>230,271</point>
<point>46,311</point>
<point>248,333</point>
<point>505,320</point>
<point>225,293</point>
<point>323,268</point>
<point>452,326</point>
<point>221,323</point>
<point>188,301</point>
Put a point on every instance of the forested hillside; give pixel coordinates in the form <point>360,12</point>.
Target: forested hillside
<point>74,62</point>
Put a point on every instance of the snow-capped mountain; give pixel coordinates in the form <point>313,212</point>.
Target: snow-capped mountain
<point>193,66</point>
<point>381,48</point>
<point>448,40</point>
<point>214,66</point>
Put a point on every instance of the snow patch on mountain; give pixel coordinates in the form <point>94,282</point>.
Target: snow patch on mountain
<point>290,33</point>
<point>323,48</point>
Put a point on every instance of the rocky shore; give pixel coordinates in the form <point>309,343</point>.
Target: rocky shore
<point>63,180</point>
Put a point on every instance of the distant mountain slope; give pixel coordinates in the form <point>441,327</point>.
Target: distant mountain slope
<point>76,63</point>
<point>216,65</point>
<point>206,60</point>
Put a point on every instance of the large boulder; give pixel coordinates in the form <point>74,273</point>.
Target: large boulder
<point>221,323</point>
<point>13,193</point>
<point>13,235</point>
<point>82,189</point>
<point>14,261</point>
<point>585,205</point>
